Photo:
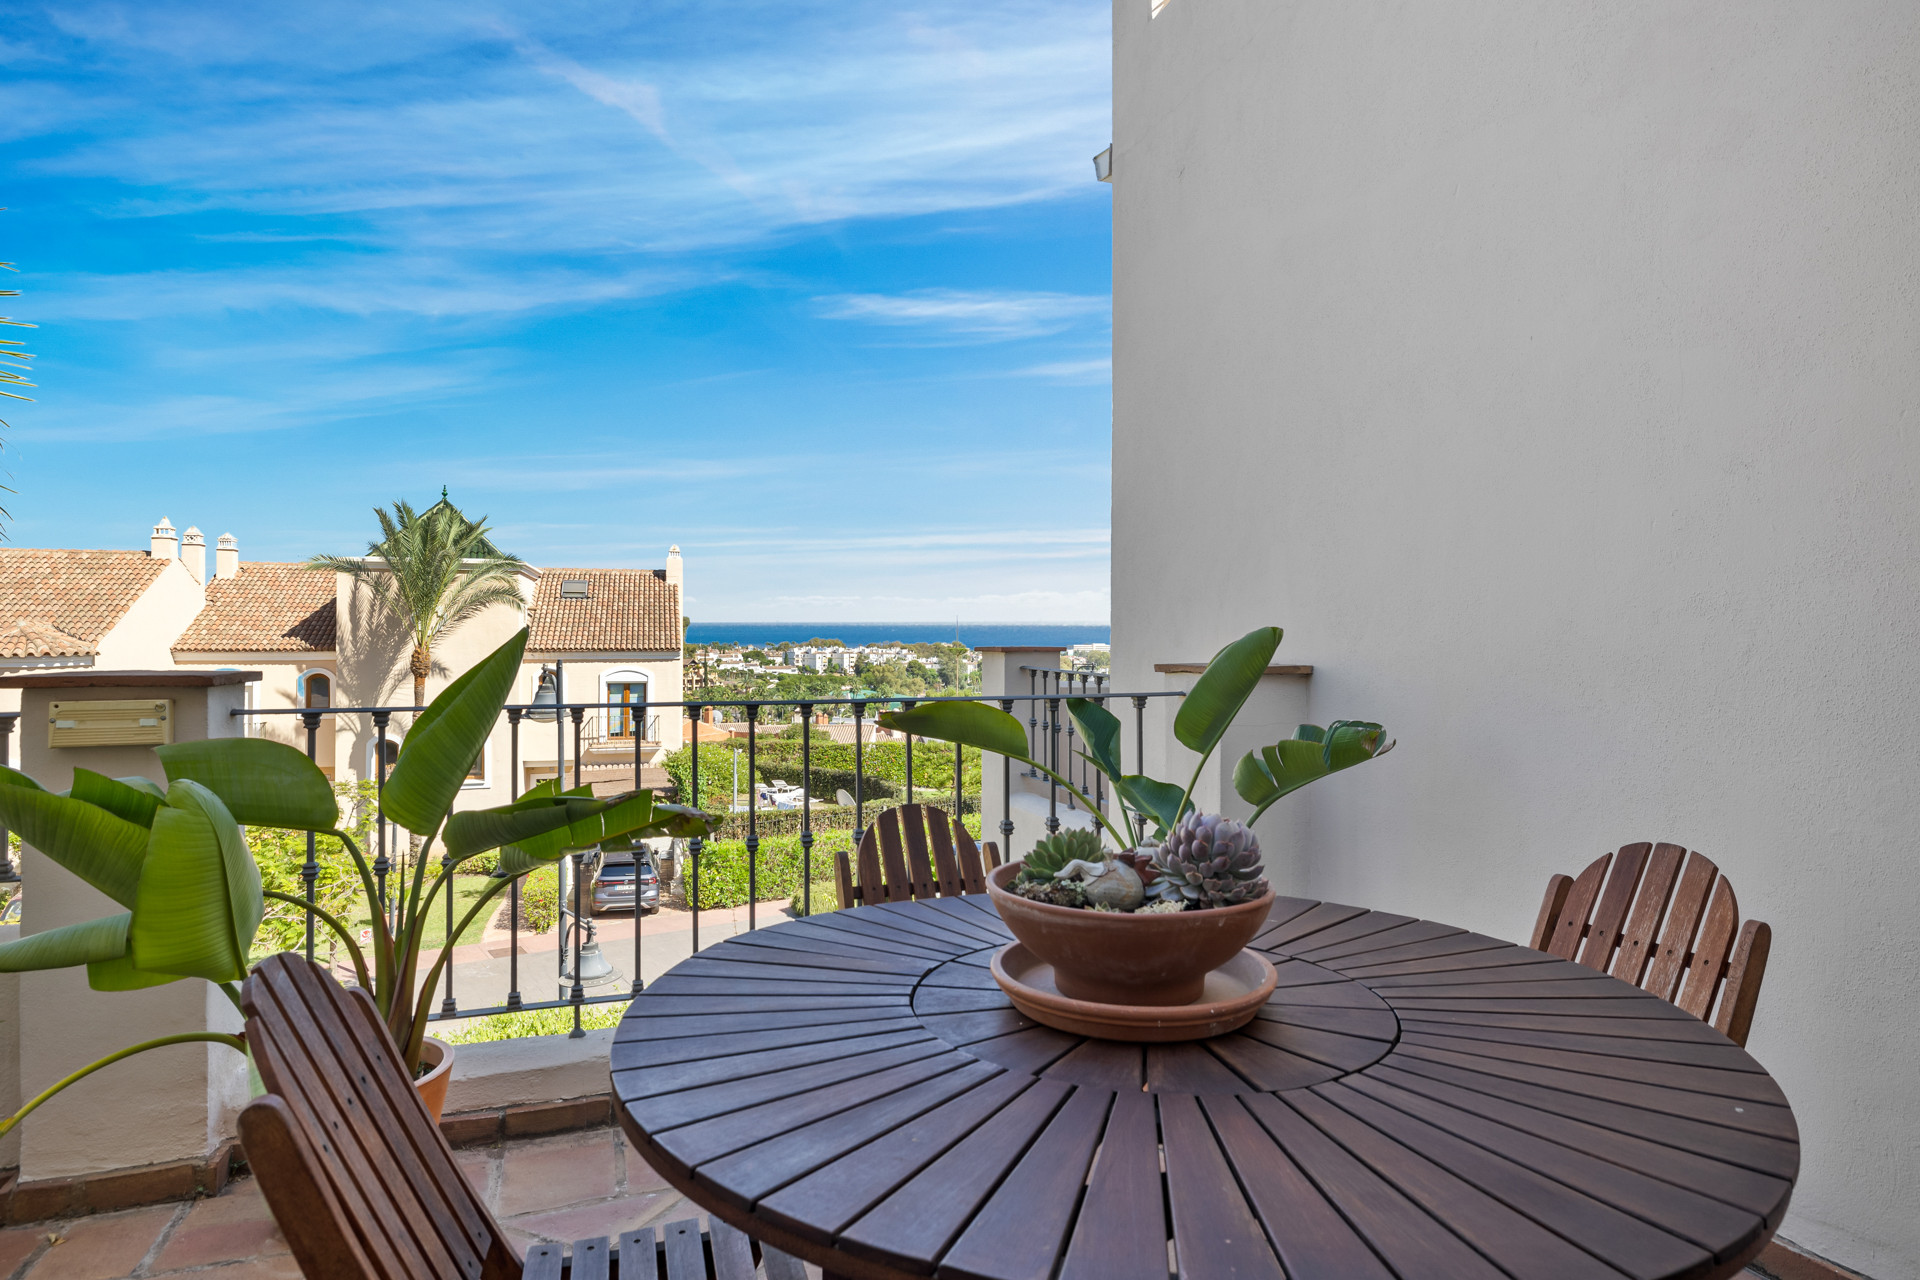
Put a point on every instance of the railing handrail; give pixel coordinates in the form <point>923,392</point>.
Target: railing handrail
<point>701,704</point>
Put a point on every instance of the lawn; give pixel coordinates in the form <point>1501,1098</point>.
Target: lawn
<point>466,891</point>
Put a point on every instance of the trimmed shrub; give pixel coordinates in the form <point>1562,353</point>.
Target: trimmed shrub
<point>778,872</point>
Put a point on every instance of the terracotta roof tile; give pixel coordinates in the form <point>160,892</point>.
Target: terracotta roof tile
<point>266,607</point>
<point>625,610</point>
<point>56,603</point>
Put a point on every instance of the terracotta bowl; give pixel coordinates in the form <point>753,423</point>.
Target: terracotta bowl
<point>1113,957</point>
<point>1232,995</point>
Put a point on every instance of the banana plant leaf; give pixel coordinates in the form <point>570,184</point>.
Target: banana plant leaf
<point>1158,800</point>
<point>445,741</point>
<point>102,849</point>
<point>1265,776</point>
<point>117,796</point>
<point>121,975</point>
<point>260,781</point>
<point>477,830</point>
<point>972,724</point>
<point>199,903</point>
<point>626,818</point>
<point>1100,731</point>
<point>84,943</point>
<point>15,778</point>
<point>1223,688</point>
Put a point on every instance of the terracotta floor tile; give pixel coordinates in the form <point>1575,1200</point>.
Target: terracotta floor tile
<point>557,1172</point>
<point>640,1175</point>
<point>17,1245</point>
<point>609,1219</point>
<point>280,1268</point>
<point>477,1167</point>
<point>103,1247</point>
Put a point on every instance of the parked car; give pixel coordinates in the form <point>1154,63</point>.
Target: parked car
<point>615,882</point>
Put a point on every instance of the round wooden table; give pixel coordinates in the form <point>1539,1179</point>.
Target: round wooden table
<point>1415,1101</point>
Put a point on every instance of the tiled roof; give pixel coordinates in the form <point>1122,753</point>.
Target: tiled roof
<point>59,603</point>
<point>626,610</point>
<point>265,607</point>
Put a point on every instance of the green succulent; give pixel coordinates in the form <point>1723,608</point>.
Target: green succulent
<point>1058,849</point>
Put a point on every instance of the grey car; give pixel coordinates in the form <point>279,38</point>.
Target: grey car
<point>614,884</point>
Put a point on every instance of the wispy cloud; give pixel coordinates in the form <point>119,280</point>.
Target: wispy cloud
<point>988,315</point>
<point>1072,372</point>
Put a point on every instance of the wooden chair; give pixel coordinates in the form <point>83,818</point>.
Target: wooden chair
<point>1703,951</point>
<point>913,851</point>
<point>363,1184</point>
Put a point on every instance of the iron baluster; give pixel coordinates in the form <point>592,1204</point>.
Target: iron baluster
<point>579,992</point>
<point>859,776</point>
<point>1006,794</point>
<point>447,1007</point>
<point>693,845</point>
<point>753,812</point>
<point>310,873</point>
<point>1071,775</point>
<point>1033,721</point>
<point>1053,760</point>
<point>380,864</point>
<point>640,720</point>
<point>959,764</point>
<point>806,808</point>
<point>907,705</point>
<point>1139,759</point>
<point>513,888</point>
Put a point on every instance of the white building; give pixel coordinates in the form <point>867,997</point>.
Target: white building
<point>1550,372</point>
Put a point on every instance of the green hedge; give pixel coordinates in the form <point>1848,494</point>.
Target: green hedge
<point>778,872</point>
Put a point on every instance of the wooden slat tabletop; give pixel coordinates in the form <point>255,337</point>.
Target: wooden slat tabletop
<point>1415,1101</point>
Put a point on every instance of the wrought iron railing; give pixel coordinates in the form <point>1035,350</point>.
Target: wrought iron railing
<point>1051,738</point>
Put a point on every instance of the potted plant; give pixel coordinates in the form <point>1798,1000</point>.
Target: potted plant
<point>175,857</point>
<point>1144,921</point>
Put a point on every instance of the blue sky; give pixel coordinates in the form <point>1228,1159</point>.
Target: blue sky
<point>819,292</point>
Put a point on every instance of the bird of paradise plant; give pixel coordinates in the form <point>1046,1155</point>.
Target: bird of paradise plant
<point>176,859</point>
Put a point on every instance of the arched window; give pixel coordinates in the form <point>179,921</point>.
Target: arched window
<point>316,689</point>
<point>392,751</point>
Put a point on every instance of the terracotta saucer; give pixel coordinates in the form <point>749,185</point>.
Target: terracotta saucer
<point>1233,994</point>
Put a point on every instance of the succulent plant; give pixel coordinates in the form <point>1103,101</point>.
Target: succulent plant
<point>1209,861</point>
<point>1058,849</point>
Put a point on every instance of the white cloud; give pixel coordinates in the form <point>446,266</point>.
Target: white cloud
<point>984,314</point>
<point>1071,372</point>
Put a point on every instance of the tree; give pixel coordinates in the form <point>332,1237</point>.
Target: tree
<point>433,570</point>
<point>13,363</point>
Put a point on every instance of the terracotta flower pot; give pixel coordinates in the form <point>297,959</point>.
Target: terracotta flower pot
<point>432,1086</point>
<point>1119,958</point>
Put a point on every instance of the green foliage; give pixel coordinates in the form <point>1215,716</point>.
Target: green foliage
<point>540,901</point>
<point>779,872</point>
<point>1057,850</point>
<point>281,855</point>
<point>536,1022</point>
<point>1265,776</point>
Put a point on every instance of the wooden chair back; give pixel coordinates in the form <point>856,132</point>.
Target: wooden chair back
<point>913,851</point>
<point>362,1182</point>
<point>1667,928</point>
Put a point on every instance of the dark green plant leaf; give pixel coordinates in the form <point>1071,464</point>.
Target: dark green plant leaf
<point>15,778</point>
<point>1100,730</point>
<point>120,975</point>
<point>200,902</point>
<point>69,945</point>
<point>260,781</point>
<point>477,830</point>
<point>1223,688</point>
<point>973,724</point>
<point>1262,777</point>
<point>445,741</point>
<point>1160,801</point>
<point>104,850</point>
<point>134,804</point>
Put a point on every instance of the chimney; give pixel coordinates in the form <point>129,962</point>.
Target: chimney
<point>226,557</point>
<point>165,544</point>
<point>193,553</point>
<point>673,569</point>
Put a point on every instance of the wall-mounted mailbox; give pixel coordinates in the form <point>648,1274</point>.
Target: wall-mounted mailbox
<point>126,722</point>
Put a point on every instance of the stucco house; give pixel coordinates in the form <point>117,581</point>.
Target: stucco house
<point>318,640</point>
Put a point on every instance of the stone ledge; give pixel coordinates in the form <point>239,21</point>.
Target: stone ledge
<point>116,1188</point>
<point>532,1120</point>
<point>1783,1260</point>
<point>502,1074</point>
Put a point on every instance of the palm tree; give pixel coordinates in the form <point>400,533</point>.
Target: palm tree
<point>433,570</point>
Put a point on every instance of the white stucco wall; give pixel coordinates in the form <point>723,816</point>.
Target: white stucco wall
<point>1552,374</point>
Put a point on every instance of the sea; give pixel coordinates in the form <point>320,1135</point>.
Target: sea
<point>758,635</point>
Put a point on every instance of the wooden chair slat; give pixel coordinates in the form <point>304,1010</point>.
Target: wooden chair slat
<point>849,896</point>
<point>992,852</point>
<point>1610,917</point>
<point>685,1254</point>
<point>1572,925</point>
<point>732,1251</point>
<point>382,1208</point>
<point>946,867</point>
<point>1706,963</point>
<point>312,1216</point>
<point>913,829</point>
<point>1643,925</point>
<point>870,883</point>
<point>591,1260</point>
<point>1683,919</point>
<point>544,1262</point>
<point>639,1255</point>
<point>1710,951</point>
<point>1558,886</point>
<point>973,877</point>
<point>1744,973</point>
<point>461,1221</point>
<point>893,860</point>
